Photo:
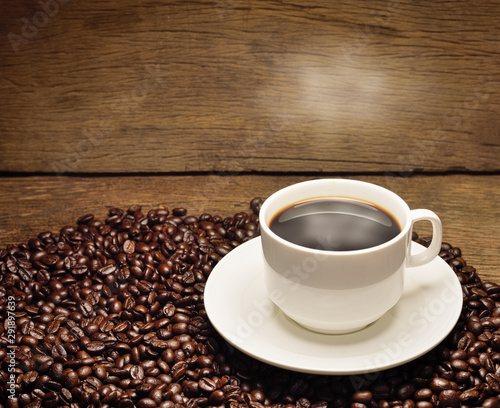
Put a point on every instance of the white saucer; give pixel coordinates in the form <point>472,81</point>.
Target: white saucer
<point>238,307</point>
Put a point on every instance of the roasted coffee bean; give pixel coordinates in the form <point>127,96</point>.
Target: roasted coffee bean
<point>52,385</point>
<point>492,402</point>
<point>363,397</point>
<point>30,377</point>
<point>207,385</point>
<point>449,398</point>
<point>179,212</point>
<point>95,347</point>
<point>424,404</point>
<point>137,372</point>
<point>469,396</point>
<point>93,382</point>
<point>439,384</point>
<point>466,340</point>
<point>84,372</point>
<point>216,397</point>
<point>85,308</point>
<point>146,403</point>
<point>85,219</point>
<point>463,377</point>
<point>70,379</point>
<point>57,371</point>
<point>58,350</point>
<point>423,394</point>
<point>129,246</point>
<point>111,314</point>
<point>53,327</point>
<point>459,365</point>
<point>178,370</point>
<point>256,204</point>
<point>107,270</point>
<point>27,326</point>
<point>493,381</point>
<point>405,391</point>
<point>100,371</point>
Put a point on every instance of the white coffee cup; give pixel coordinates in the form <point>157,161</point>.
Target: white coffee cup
<point>341,291</point>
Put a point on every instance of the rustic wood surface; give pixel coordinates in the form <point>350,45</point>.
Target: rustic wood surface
<point>174,86</point>
<point>467,205</point>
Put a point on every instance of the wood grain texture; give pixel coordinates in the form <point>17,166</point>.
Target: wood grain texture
<point>467,205</point>
<point>174,86</point>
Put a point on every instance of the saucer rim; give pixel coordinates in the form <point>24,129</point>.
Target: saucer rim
<point>330,371</point>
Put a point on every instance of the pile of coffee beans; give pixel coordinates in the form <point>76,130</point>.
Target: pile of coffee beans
<point>111,314</point>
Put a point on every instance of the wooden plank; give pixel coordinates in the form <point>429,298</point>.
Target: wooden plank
<point>467,205</point>
<point>345,86</point>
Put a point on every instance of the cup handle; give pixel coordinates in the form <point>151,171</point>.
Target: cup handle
<point>437,237</point>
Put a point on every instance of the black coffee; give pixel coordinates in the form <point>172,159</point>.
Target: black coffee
<point>335,224</point>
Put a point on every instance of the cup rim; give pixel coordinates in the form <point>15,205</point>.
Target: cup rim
<point>264,227</point>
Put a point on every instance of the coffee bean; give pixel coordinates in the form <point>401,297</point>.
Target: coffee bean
<point>207,385</point>
<point>85,219</point>
<point>493,381</point>
<point>111,313</point>
<point>469,396</point>
<point>52,385</point>
<point>492,402</point>
<point>95,347</point>
<point>107,270</point>
<point>179,212</point>
<point>137,372</point>
<point>58,350</point>
<point>32,339</point>
<point>80,270</point>
<point>466,340</point>
<point>449,398</point>
<point>423,394</point>
<point>424,404</point>
<point>463,377</point>
<point>85,308</point>
<point>53,327</point>
<point>50,400</point>
<point>129,246</point>
<point>27,326</point>
<point>56,371</point>
<point>180,328</point>
<point>30,377</point>
<point>70,379</point>
<point>459,365</point>
<point>405,391</point>
<point>216,397</point>
<point>147,403</point>
<point>84,372</point>
<point>256,204</point>
<point>439,384</point>
<point>65,396</point>
<point>93,382</point>
<point>363,397</point>
<point>178,370</point>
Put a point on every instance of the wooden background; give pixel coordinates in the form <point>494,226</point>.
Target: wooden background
<point>150,86</point>
<point>210,103</point>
